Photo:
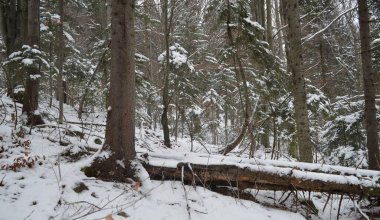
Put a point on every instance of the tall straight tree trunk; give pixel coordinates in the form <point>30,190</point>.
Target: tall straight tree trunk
<point>148,67</point>
<point>33,72</point>
<point>165,96</point>
<point>369,87</point>
<point>61,45</point>
<point>326,81</point>
<point>51,69</point>
<point>14,28</point>
<point>258,13</point>
<point>105,15</point>
<point>278,26</point>
<point>354,38</point>
<point>120,129</point>
<point>269,29</point>
<point>24,20</point>
<point>264,138</point>
<point>299,91</point>
<point>226,115</point>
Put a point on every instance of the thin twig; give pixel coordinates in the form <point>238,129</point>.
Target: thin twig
<point>184,189</point>
<point>340,204</point>
<point>360,210</point>
<point>327,201</point>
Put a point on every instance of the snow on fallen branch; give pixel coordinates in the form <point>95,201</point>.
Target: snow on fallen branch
<point>216,170</point>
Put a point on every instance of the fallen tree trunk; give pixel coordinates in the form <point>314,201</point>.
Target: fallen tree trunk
<point>217,171</point>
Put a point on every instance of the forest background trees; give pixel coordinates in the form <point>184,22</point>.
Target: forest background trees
<point>220,72</point>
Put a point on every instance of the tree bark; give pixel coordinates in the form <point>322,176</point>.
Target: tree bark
<point>120,129</point>
<point>61,48</point>
<point>269,30</point>
<point>104,16</point>
<point>149,67</point>
<point>251,175</point>
<point>165,96</point>
<point>369,87</point>
<point>291,13</point>
<point>278,26</point>
<point>33,72</point>
<point>14,28</point>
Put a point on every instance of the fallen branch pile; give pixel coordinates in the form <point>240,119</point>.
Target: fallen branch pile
<point>214,171</point>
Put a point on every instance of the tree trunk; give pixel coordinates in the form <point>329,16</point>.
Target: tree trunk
<point>165,96</point>
<point>105,15</point>
<point>33,72</point>
<point>369,87</point>
<point>258,13</point>
<point>61,48</point>
<point>24,20</point>
<point>120,129</point>
<point>269,30</point>
<point>260,174</point>
<point>278,26</point>
<point>239,75</point>
<point>299,91</point>
<point>323,62</point>
<point>226,115</point>
<point>14,28</point>
<point>51,70</point>
<point>354,38</point>
<point>149,66</point>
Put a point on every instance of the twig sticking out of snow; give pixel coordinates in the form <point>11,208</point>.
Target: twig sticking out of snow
<point>184,189</point>
<point>357,207</point>
<point>340,204</point>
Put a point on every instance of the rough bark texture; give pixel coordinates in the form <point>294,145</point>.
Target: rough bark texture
<point>369,87</point>
<point>165,96</point>
<point>33,72</point>
<point>291,13</point>
<point>120,129</point>
<point>14,28</point>
<point>216,176</point>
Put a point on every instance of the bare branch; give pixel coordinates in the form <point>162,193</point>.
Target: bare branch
<point>308,38</point>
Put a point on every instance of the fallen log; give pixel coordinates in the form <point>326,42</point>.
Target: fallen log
<point>85,123</point>
<point>213,171</point>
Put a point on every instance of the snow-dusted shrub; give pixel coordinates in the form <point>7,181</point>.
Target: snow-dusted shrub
<point>348,156</point>
<point>344,135</point>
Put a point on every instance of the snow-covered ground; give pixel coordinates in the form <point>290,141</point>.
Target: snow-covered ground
<point>54,187</point>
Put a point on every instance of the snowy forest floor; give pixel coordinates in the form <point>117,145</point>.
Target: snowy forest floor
<point>41,178</point>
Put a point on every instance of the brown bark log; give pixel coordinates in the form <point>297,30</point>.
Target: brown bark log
<point>216,176</point>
